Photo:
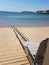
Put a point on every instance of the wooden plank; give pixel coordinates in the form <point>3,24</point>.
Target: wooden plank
<point>46,58</point>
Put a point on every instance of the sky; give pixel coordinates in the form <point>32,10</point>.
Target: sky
<point>23,5</point>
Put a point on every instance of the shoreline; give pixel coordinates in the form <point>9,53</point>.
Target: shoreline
<point>25,26</point>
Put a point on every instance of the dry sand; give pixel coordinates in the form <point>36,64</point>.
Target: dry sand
<point>8,41</point>
<point>36,34</point>
<point>11,51</point>
<point>10,48</point>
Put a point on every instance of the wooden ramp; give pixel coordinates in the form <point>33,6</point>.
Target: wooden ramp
<point>42,53</point>
<point>46,58</point>
<point>11,51</point>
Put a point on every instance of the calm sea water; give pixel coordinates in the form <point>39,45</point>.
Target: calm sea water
<point>23,19</point>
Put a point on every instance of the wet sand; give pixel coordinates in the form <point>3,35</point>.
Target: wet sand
<point>36,34</point>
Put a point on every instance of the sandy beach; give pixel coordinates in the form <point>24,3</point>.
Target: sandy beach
<point>35,34</point>
<point>11,51</point>
<point>8,41</point>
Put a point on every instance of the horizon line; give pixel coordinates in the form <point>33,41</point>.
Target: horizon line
<point>23,11</point>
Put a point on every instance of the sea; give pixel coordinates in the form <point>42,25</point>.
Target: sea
<point>23,19</point>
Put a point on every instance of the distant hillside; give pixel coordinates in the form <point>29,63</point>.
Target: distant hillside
<point>37,12</point>
<point>43,12</point>
<point>27,12</point>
